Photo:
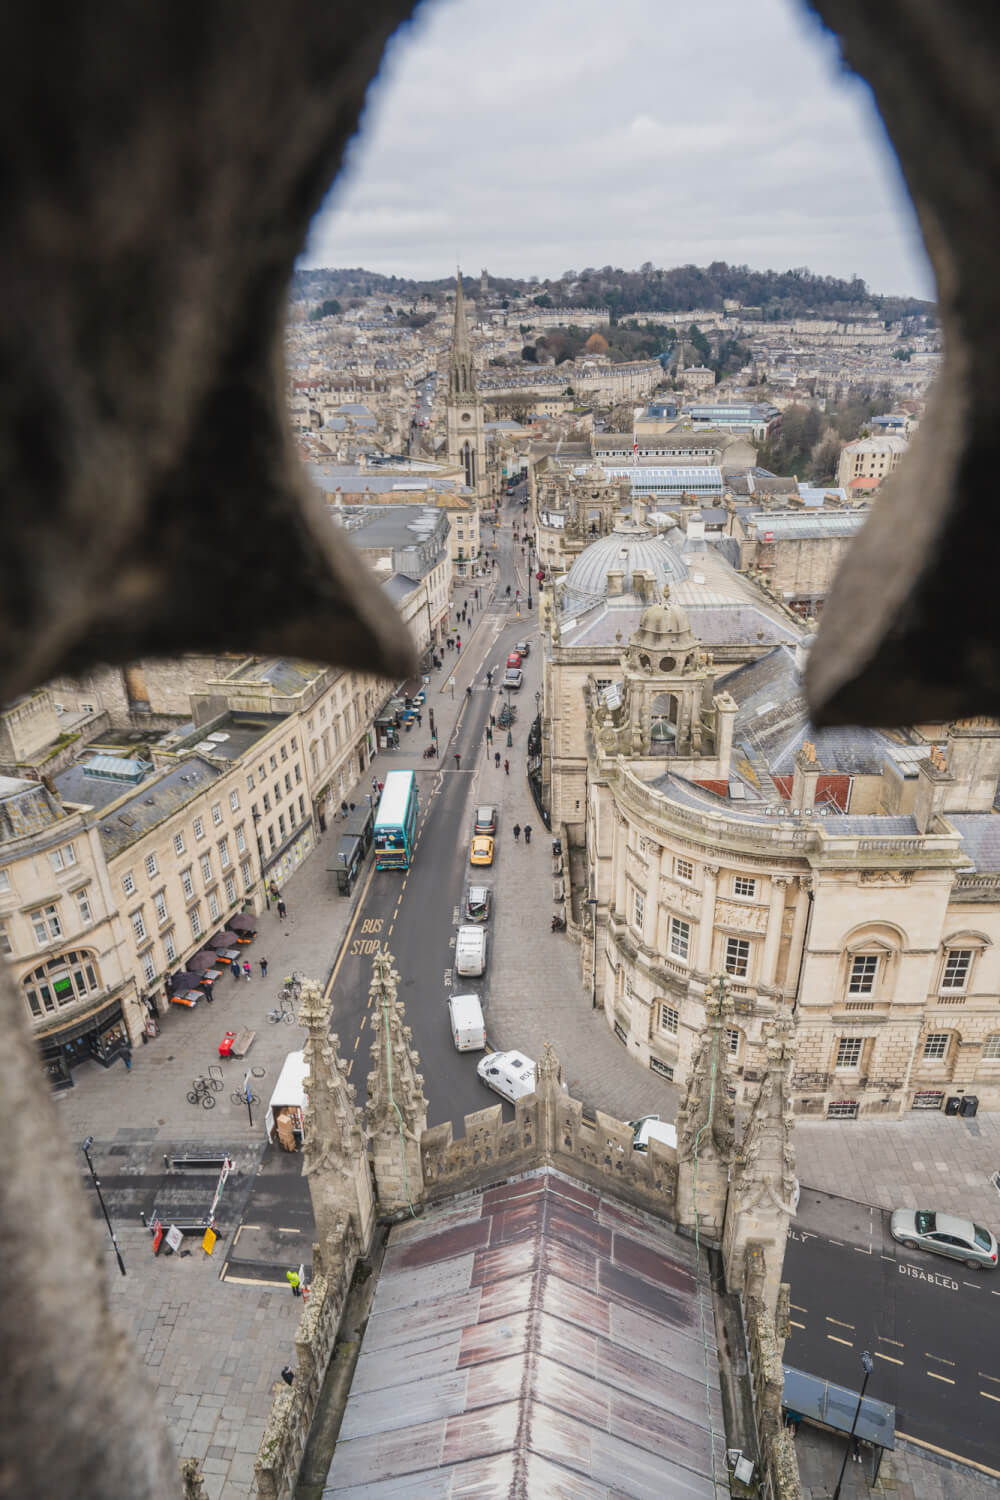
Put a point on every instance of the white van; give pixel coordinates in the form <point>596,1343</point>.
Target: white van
<point>470,952</point>
<point>468,1029</point>
<point>289,1094</point>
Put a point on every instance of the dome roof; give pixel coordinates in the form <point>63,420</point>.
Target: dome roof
<point>664,619</point>
<point>627,550</point>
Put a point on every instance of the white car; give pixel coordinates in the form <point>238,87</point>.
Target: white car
<point>511,1074</point>
<point>651,1127</point>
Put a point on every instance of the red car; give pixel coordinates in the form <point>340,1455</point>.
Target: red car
<point>514,659</point>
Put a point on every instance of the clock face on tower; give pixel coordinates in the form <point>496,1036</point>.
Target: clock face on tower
<point>466,416</point>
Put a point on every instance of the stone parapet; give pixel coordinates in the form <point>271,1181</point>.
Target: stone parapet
<point>279,1455</point>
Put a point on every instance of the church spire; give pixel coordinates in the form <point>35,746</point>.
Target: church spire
<point>461,371</point>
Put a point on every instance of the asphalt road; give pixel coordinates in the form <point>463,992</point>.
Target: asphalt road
<point>931,1324</point>
<point>417,911</point>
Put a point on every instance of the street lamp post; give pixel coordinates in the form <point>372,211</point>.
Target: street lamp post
<point>868,1364</point>
<point>510,739</point>
<point>85,1148</point>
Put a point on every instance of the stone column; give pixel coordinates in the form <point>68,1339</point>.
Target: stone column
<point>335,1156</point>
<point>772,938</point>
<point>795,956</point>
<point>705,1138</point>
<point>706,927</point>
<point>397,1109</point>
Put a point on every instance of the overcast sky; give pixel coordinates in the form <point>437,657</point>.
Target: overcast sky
<point>534,137</point>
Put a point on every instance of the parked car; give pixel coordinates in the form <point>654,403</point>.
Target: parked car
<point>651,1127</point>
<point>481,852</point>
<point>468,1029</point>
<point>470,952</point>
<point>477,903</point>
<point>514,659</point>
<point>510,1074</point>
<point>945,1234</point>
<point>486,820</point>
<point>513,677</point>
<point>523,648</point>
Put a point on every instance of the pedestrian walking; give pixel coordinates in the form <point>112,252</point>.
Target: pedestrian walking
<point>127,1059</point>
<point>247,975</point>
<point>263,968</point>
<point>506,768</point>
<point>380,785</point>
<point>236,971</point>
<point>458,761</point>
<point>489,677</point>
<point>496,760</point>
<point>517,832</point>
<point>420,719</point>
<point>458,643</point>
<point>527,833</point>
<point>343,809</point>
<point>489,735</point>
<point>282,908</point>
<point>493,721</point>
<point>374,783</point>
<point>292,1277</point>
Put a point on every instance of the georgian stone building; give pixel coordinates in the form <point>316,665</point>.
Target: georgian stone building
<point>849,876</point>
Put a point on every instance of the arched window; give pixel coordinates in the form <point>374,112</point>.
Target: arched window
<point>61,981</point>
<point>663,719</point>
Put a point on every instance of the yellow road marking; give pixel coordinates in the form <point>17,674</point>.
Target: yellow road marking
<point>839,1324</point>
<point>945,1453</point>
<point>347,936</point>
<point>884,1340</point>
<point>834,1340</point>
<point>888,1357</point>
<point>989,1396</point>
<point>983,1376</point>
<point>796,1308</point>
<point>796,1325</point>
<point>356,1041</point>
<point>933,1376</point>
<point>939,1357</point>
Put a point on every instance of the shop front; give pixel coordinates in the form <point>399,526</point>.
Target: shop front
<point>100,1036</point>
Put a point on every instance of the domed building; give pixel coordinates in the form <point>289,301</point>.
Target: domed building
<point>845,877</point>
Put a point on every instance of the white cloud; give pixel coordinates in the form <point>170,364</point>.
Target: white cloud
<point>534,136</point>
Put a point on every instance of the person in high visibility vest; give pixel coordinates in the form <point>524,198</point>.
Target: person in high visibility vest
<point>292,1277</point>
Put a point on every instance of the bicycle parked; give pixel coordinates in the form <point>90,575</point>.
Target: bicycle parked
<point>283,1011</point>
<point>202,1093</point>
<point>293,983</point>
<point>239,1097</point>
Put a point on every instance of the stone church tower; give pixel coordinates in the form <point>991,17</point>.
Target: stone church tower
<point>464,406</point>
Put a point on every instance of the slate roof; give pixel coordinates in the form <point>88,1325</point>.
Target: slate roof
<point>25,808</point>
<point>284,673</point>
<point>773,718</point>
<point>980,838</point>
<point>538,1338</point>
<point>155,800</point>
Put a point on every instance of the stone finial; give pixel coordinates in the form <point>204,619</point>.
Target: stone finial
<point>938,758</point>
<point>192,1479</point>
<point>762,1192</point>
<point>335,1162</point>
<point>397,1108</point>
<point>548,1066</point>
<point>705,1121</point>
<point>809,751</point>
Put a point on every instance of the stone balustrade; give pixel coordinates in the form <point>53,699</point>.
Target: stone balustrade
<point>598,1153</point>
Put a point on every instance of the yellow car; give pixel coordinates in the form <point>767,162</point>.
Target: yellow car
<point>481,852</point>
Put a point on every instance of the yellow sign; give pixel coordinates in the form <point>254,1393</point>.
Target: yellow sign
<point>208,1243</point>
